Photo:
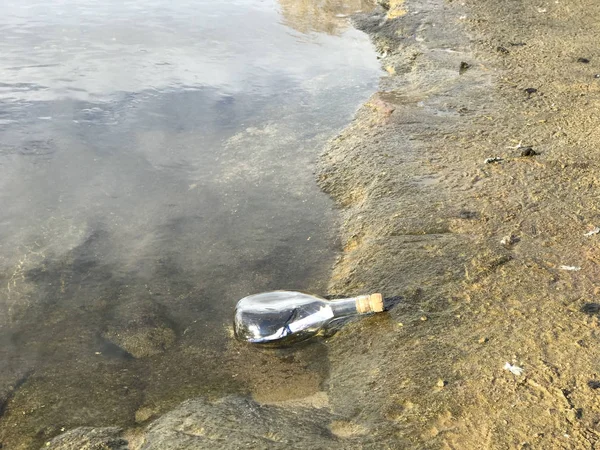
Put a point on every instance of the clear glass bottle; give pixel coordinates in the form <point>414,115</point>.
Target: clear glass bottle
<point>286,317</point>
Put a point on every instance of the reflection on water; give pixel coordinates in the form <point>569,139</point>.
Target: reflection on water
<point>155,166</point>
<point>327,16</point>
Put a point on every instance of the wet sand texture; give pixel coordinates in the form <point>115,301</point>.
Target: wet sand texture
<point>492,259</point>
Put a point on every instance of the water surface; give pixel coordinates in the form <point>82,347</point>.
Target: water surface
<point>156,165</point>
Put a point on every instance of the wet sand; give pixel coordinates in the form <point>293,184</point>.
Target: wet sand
<point>494,259</point>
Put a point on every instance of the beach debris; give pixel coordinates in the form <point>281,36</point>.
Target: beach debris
<point>495,159</point>
<point>570,268</point>
<point>528,151</point>
<point>285,317</point>
<point>502,50</point>
<point>591,308</point>
<point>518,146</point>
<point>597,75</point>
<point>469,215</point>
<point>593,232</point>
<point>464,66</point>
<point>583,60</point>
<point>530,90</point>
<point>515,370</point>
<point>509,240</point>
<point>593,384</point>
<point>517,44</point>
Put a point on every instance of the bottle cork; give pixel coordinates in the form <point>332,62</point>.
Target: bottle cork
<point>369,303</point>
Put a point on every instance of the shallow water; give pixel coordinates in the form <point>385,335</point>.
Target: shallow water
<point>156,165</point>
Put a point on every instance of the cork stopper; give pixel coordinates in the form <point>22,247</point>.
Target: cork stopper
<point>369,303</point>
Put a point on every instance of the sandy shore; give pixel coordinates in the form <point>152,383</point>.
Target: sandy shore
<point>494,259</point>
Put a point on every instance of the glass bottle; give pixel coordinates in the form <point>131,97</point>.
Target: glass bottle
<point>285,317</point>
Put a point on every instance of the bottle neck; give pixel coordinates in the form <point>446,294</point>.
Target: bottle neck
<point>363,304</point>
<point>349,306</point>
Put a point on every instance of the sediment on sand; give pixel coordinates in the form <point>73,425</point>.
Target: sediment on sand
<point>443,205</point>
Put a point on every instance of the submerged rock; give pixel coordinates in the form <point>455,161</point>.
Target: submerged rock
<point>142,341</point>
<point>140,328</point>
<point>229,423</point>
<point>88,438</point>
<point>235,422</point>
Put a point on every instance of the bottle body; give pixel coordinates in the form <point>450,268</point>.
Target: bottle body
<point>286,317</point>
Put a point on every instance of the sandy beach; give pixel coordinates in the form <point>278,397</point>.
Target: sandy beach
<point>469,187</point>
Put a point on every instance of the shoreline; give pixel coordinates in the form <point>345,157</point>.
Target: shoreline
<point>477,250</point>
<point>494,260</point>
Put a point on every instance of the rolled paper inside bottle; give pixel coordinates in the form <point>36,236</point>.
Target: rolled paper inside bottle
<point>323,314</point>
<point>369,303</point>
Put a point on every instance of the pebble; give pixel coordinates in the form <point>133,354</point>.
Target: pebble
<point>507,241</point>
<point>423,318</point>
<point>528,151</point>
<point>593,384</point>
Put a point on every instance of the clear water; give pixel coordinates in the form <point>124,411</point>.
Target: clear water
<point>156,165</point>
